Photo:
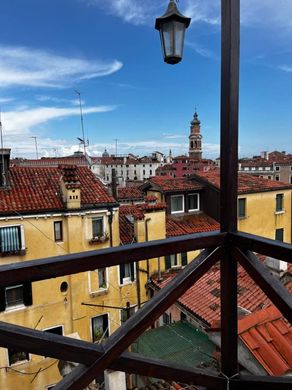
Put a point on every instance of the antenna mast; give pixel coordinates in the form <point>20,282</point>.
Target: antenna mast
<point>2,154</point>
<point>82,123</point>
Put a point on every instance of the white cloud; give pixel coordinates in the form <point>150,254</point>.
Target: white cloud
<point>22,66</point>
<point>285,68</point>
<point>22,121</point>
<point>6,100</point>
<point>263,12</point>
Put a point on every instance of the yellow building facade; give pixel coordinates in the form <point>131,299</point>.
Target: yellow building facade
<point>57,213</point>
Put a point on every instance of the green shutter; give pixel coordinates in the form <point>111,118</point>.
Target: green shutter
<point>132,272</point>
<point>2,299</point>
<point>184,259</point>
<point>27,294</point>
<point>122,273</point>
<point>167,262</point>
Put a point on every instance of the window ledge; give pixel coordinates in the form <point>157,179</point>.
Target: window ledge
<point>279,212</point>
<point>14,308</point>
<point>99,292</point>
<point>240,218</point>
<point>127,283</point>
<point>21,252</point>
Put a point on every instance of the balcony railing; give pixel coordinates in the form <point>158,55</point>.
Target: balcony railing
<point>93,359</point>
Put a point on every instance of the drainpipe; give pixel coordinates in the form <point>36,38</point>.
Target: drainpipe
<point>138,285</point>
<point>110,221</point>
<point>114,184</point>
<point>146,239</point>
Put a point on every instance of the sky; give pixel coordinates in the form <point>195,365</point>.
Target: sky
<point>109,51</point>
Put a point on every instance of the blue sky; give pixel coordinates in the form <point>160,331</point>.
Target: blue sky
<point>110,52</point>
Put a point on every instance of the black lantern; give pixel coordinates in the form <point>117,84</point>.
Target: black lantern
<point>172,26</point>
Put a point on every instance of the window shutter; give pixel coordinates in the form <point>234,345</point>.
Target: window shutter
<point>167,262</point>
<point>27,294</point>
<point>2,299</point>
<point>184,259</point>
<point>122,273</point>
<point>132,272</point>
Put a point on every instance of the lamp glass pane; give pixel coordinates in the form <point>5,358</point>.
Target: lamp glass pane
<point>179,31</point>
<point>167,30</point>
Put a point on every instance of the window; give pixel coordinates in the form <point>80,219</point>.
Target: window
<point>291,179</point>
<point>193,202</point>
<point>99,328</point>
<point>143,171</point>
<point>277,168</point>
<point>97,280</point>
<point>184,259</point>
<point>279,202</point>
<point>11,239</point>
<point>279,236</point>
<point>277,177</point>
<point>15,356</point>
<point>171,261</point>
<point>127,273</point>
<point>150,172</point>
<point>58,230</point>
<point>242,208</point>
<point>166,319</point>
<point>12,297</point>
<point>177,204</point>
<point>127,313</point>
<point>97,227</point>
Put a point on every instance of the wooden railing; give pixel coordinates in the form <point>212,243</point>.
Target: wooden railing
<point>94,359</point>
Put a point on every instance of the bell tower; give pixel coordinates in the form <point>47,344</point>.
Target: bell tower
<point>195,139</point>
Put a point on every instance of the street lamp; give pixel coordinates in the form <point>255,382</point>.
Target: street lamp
<point>172,26</point>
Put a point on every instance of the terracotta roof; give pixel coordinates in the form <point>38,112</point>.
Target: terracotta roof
<point>203,298</point>
<point>247,183</point>
<point>169,184</point>
<point>49,161</point>
<point>136,212</point>
<point>269,338</point>
<point>129,193</point>
<point>192,223</point>
<point>36,189</point>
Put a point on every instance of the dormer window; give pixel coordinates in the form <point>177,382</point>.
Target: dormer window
<point>194,202</point>
<point>177,204</point>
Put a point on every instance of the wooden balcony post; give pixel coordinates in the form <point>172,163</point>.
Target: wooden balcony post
<point>230,30</point>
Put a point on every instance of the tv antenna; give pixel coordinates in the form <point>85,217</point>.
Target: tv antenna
<point>82,140</point>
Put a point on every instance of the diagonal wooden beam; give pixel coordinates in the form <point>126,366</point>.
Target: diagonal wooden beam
<point>255,382</point>
<point>140,321</point>
<point>79,351</point>
<point>270,285</point>
<point>264,246</point>
<point>34,270</point>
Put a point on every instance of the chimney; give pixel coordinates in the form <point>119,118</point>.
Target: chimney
<point>4,166</point>
<point>277,267</point>
<point>70,186</point>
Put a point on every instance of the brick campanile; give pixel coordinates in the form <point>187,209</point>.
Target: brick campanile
<point>195,139</point>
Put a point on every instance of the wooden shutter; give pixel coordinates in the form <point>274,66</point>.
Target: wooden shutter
<point>2,299</point>
<point>122,273</point>
<point>184,259</point>
<point>132,272</point>
<point>167,262</point>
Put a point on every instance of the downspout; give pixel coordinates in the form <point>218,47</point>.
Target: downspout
<point>146,239</point>
<point>110,221</point>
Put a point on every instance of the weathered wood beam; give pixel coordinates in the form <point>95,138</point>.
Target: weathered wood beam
<point>68,349</point>
<point>52,267</point>
<point>277,249</point>
<point>270,285</point>
<point>141,320</point>
<point>260,383</point>
<point>230,33</point>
